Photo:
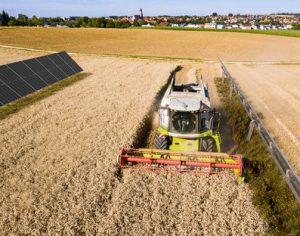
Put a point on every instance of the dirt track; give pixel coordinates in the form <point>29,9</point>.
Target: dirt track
<point>275,93</point>
<point>57,161</point>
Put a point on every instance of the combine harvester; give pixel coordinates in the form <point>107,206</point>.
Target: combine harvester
<point>188,139</point>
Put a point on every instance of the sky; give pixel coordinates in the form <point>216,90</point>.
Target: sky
<point>65,8</point>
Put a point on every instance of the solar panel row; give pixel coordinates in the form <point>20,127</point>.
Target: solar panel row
<point>22,78</point>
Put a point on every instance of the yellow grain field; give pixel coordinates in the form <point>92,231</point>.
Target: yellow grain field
<point>274,91</point>
<point>180,44</point>
<point>58,165</point>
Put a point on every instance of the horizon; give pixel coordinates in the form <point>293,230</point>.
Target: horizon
<point>93,8</point>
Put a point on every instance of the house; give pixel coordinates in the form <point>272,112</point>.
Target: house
<point>73,18</point>
<point>221,26</point>
<point>192,26</point>
<point>163,24</point>
<point>261,27</point>
<point>148,25</point>
<point>135,18</point>
<point>212,25</point>
<point>51,24</point>
<point>246,27</point>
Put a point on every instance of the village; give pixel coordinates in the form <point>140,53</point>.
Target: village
<point>215,21</point>
<point>281,21</point>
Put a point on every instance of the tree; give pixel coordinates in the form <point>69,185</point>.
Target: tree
<point>22,19</point>
<point>214,14</point>
<point>136,24</point>
<point>4,18</point>
<point>202,21</point>
<point>296,26</point>
<point>118,24</point>
<point>78,22</point>
<point>110,24</point>
<point>104,22</point>
<point>85,20</point>
<point>12,21</point>
<point>142,22</point>
<point>208,20</point>
<point>230,15</point>
<point>90,23</point>
<point>34,21</point>
<point>70,24</point>
<point>123,24</point>
<point>98,22</point>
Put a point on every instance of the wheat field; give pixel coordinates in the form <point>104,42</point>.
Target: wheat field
<point>157,43</point>
<point>59,174</point>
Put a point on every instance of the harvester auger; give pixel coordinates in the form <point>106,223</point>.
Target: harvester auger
<point>188,139</point>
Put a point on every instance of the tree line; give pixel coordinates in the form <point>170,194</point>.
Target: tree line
<point>97,22</point>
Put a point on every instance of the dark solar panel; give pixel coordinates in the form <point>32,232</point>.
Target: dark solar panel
<point>22,78</point>
<point>52,68</point>
<point>28,75</point>
<point>70,61</point>
<point>11,78</point>
<point>41,71</point>
<point>6,95</point>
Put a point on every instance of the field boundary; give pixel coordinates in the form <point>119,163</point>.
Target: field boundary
<point>279,158</point>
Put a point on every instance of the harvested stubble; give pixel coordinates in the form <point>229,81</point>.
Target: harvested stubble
<point>57,157</point>
<point>169,204</point>
<point>57,160</point>
<point>11,55</point>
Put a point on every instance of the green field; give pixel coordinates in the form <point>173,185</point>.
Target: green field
<point>288,33</point>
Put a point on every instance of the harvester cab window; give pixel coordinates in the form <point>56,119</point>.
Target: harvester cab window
<point>204,121</point>
<point>184,122</point>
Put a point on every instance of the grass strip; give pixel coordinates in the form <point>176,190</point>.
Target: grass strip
<point>271,193</point>
<point>287,33</point>
<point>152,57</point>
<point>30,99</point>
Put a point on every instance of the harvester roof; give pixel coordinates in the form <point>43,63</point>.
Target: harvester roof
<point>185,104</point>
<point>186,97</point>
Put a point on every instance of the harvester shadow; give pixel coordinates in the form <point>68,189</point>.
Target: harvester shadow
<point>148,125</point>
<point>227,145</point>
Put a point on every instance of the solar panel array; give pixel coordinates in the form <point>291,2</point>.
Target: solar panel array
<point>22,78</point>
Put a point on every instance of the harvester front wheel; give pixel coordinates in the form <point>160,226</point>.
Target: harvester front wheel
<point>161,142</point>
<point>207,145</point>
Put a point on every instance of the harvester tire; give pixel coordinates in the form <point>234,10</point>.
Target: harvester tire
<point>207,145</point>
<point>161,143</point>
